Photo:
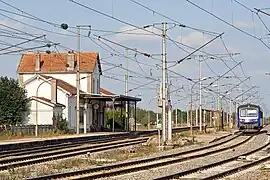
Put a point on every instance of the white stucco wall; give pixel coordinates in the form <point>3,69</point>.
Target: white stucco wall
<point>45,114</point>
<point>70,102</point>
<point>45,91</point>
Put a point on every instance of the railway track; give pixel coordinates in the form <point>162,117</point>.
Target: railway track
<point>52,147</point>
<point>148,163</point>
<point>38,154</point>
<point>40,149</point>
<point>234,166</point>
<point>218,168</point>
<point>79,142</point>
<point>19,161</point>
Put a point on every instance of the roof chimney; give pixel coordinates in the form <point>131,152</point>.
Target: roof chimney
<point>70,61</point>
<point>54,91</point>
<point>37,62</point>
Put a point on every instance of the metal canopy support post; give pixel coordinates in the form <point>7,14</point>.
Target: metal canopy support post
<point>169,122</point>
<point>135,117</point>
<point>191,118</point>
<point>230,116</point>
<point>128,129</point>
<point>219,108</point>
<point>148,120</point>
<point>211,118</point>
<point>181,117</point>
<point>84,117</point>
<point>176,117</point>
<point>196,116</point>
<point>78,82</point>
<point>113,99</point>
<point>235,120</point>
<point>204,119</point>
<point>187,122</point>
<point>121,114</point>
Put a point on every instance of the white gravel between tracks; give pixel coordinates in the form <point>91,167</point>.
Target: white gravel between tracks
<point>178,167</point>
<point>236,141</point>
<point>228,166</point>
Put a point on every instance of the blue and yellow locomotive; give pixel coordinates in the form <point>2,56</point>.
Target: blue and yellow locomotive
<point>250,117</point>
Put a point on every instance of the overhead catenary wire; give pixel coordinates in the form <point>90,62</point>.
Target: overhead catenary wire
<point>57,26</point>
<point>110,32</point>
<point>232,58</point>
<point>119,53</point>
<point>167,17</point>
<point>21,43</point>
<point>26,49</point>
<point>225,73</point>
<point>181,60</point>
<point>249,9</point>
<point>125,22</point>
<point>40,29</point>
<point>226,22</point>
<point>111,77</point>
<point>132,49</point>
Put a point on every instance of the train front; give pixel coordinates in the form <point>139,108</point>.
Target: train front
<point>249,117</point>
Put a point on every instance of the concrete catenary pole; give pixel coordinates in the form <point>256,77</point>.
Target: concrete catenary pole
<point>164,83</point>
<point>126,91</point>
<point>200,113</point>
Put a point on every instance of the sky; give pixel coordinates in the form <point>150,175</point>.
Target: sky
<point>128,17</point>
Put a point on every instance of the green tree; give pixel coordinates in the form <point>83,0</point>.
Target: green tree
<point>14,104</point>
<point>117,117</point>
<point>143,115</point>
<point>181,115</point>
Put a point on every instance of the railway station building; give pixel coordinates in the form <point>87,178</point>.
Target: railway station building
<point>50,82</point>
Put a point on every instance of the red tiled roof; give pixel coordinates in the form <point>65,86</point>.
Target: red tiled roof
<point>72,89</point>
<point>106,92</point>
<point>57,62</point>
<point>46,100</point>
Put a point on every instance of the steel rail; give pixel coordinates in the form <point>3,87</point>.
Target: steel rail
<point>23,161</point>
<point>30,145</point>
<point>139,161</point>
<point>63,147</point>
<point>237,169</point>
<point>19,152</point>
<point>51,147</point>
<point>190,171</point>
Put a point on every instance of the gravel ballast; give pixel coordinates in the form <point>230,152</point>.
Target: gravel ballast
<point>178,167</point>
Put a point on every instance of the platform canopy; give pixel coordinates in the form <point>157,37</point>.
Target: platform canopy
<point>109,97</point>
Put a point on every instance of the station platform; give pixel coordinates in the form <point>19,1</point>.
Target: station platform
<point>30,139</point>
<point>23,143</point>
<point>76,136</point>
